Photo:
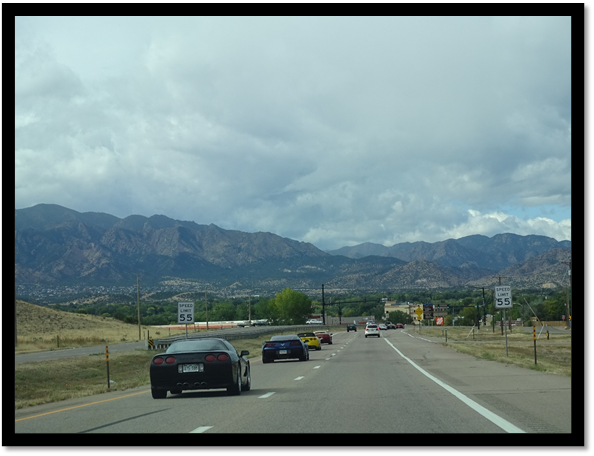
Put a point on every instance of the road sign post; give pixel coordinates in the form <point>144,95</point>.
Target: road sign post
<point>503,300</point>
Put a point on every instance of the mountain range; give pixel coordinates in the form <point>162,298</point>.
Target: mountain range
<point>55,245</point>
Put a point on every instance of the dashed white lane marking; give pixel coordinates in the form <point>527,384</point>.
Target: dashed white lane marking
<point>317,367</point>
<point>299,378</point>
<point>264,396</point>
<point>200,429</point>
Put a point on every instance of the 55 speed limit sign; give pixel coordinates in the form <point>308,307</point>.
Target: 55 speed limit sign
<point>503,297</point>
<point>185,312</point>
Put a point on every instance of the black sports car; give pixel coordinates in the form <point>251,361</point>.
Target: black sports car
<point>284,347</point>
<point>195,364</point>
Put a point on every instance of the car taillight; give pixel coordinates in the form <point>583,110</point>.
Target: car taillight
<point>222,357</point>
<point>270,345</point>
<point>294,343</point>
<point>158,361</point>
<point>170,360</point>
<point>209,358</point>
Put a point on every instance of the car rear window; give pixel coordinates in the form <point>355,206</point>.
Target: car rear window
<point>291,337</point>
<point>196,345</point>
<point>372,326</point>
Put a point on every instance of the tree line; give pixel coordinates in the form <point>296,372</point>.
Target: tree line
<point>293,307</point>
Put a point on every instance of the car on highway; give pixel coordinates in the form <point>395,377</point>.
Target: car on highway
<point>324,336</point>
<point>199,364</point>
<point>372,330</point>
<point>399,325</point>
<point>351,327</point>
<point>311,340</point>
<point>390,325</point>
<point>382,327</point>
<point>288,346</point>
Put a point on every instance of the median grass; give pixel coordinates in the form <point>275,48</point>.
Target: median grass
<point>51,381</point>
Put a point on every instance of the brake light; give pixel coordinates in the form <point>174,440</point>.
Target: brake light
<point>294,343</point>
<point>222,357</point>
<point>170,360</point>
<point>270,345</point>
<point>209,358</point>
<point>158,361</point>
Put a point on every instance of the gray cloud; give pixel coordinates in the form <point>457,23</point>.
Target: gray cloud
<point>333,131</point>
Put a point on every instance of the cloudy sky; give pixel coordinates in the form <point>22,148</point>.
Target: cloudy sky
<point>329,130</point>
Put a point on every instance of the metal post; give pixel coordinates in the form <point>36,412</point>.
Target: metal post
<point>138,304</point>
<point>505,332</point>
<point>534,337</point>
<point>107,362</point>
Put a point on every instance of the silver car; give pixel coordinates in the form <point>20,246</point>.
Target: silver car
<point>372,330</point>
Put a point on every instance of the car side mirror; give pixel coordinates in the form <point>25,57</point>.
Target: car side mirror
<point>244,352</point>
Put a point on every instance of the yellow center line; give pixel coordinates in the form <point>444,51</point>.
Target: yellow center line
<point>78,406</point>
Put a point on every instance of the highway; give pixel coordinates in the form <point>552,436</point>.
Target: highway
<point>402,382</point>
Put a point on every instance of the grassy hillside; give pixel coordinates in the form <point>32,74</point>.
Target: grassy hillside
<point>41,328</point>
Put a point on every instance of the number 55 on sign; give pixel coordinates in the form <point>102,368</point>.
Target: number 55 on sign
<point>503,297</point>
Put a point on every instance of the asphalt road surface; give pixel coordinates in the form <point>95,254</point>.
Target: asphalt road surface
<point>402,382</point>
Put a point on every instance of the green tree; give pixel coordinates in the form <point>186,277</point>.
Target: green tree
<point>222,311</point>
<point>292,307</point>
<point>400,317</point>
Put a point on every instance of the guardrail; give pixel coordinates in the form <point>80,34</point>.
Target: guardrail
<point>231,334</point>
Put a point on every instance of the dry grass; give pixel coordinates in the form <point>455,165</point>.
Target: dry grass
<point>553,355</point>
<point>40,329</point>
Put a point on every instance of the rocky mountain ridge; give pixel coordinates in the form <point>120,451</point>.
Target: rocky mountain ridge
<point>55,246</point>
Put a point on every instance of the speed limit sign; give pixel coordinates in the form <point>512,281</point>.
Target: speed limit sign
<point>185,312</point>
<point>503,297</point>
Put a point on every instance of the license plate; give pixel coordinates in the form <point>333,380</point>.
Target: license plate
<point>282,352</point>
<point>192,367</point>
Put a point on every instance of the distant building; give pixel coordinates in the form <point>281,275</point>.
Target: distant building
<point>393,306</point>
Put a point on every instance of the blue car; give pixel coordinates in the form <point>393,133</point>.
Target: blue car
<point>284,347</point>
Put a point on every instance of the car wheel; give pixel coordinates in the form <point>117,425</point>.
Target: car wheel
<point>319,348</point>
<point>235,390</point>
<point>158,393</point>
<point>365,336</point>
<point>248,380</point>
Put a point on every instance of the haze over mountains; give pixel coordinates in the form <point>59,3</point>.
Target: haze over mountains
<point>55,245</point>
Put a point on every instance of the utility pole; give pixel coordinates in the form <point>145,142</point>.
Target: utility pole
<point>206,307</point>
<point>138,304</point>
<point>250,309</point>
<point>323,307</point>
<point>484,309</point>
<point>567,320</point>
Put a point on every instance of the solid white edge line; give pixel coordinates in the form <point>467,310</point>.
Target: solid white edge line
<point>495,419</point>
